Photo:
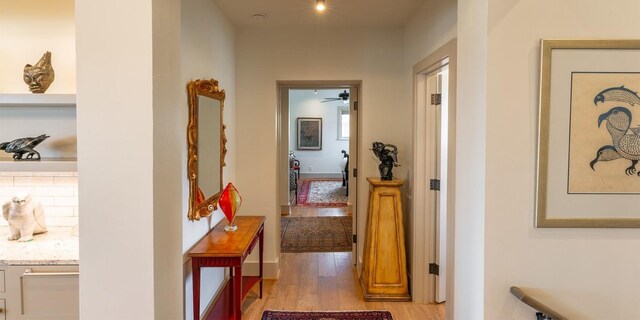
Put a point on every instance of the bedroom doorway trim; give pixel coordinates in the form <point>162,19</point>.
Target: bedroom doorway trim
<point>282,163</point>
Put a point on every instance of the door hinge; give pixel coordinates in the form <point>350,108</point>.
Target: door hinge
<point>355,172</point>
<point>434,184</point>
<point>355,106</point>
<point>436,99</point>
<point>355,238</point>
<point>434,269</point>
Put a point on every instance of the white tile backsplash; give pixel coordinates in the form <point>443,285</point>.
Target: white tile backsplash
<point>6,181</point>
<point>59,212</point>
<point>16,174</point>
<point>57,191</point>
<point>32,181</point>
<point>65,181</point>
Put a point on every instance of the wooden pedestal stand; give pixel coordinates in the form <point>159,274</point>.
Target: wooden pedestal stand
<point>384,270</point>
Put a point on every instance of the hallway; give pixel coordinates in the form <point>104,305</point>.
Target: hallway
<point>325,281</point>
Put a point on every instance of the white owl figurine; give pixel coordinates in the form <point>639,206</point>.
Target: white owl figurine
<point>25,217</point>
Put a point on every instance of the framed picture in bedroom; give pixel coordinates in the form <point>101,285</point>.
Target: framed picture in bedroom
<point>309,133</point>
<point>589,134</point>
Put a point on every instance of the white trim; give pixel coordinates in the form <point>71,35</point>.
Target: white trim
<point>270,269</point>
<point>423,246</point>
<point>282,157</point>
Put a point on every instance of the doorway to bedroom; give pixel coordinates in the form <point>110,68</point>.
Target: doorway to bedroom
<point>320,122</point>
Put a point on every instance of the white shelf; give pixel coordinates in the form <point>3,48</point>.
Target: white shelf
<point>44,165</point>
<point>37,100</point>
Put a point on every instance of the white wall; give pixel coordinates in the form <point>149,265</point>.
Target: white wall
<point>304,103</point>
<point>168,161</point>
<point>582,273</point>
<point>265,55</point>
<point>208,51</point>
<point>115,144</point>
<point>28,29</point>
<point>469,276</point>
<point>432,26</point>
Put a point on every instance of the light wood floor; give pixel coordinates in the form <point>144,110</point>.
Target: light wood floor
<point>299,211</point>
<point>325,282</point>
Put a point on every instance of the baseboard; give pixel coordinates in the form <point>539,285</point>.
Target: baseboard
<point>285,210</point>
<point>271,269</point>
<point>320,175</point>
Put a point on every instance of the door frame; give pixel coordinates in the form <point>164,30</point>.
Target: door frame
<point>424,245</point>
<point>282,129</point>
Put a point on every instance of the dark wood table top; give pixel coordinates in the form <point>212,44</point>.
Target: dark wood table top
<point>219,243</point>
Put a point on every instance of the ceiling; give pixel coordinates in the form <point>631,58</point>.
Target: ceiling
<point>339,13</point>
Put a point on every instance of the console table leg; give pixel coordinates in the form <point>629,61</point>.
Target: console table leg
<point>261,247</point>
<point>237,293</point>
<point>196,289</point>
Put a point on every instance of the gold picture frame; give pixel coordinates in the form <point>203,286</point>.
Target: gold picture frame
<point>206,146</point>
<point>578,79</point>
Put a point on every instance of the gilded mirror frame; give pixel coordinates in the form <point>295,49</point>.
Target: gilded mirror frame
<point>199,208</point>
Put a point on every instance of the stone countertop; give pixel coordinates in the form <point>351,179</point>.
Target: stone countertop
<point>56,247</point>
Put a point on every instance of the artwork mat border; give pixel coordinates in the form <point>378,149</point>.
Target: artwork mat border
<point>542,218</point>
<point>298,132</point>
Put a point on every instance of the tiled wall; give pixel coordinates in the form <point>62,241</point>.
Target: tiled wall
<point>57,191</point>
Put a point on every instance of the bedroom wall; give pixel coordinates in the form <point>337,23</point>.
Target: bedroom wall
<point>265,55</point>
<point>324,162</point>
<point>582,273</point>
<point>208,51</point>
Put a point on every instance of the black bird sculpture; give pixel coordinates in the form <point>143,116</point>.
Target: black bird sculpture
<point>22,146</point>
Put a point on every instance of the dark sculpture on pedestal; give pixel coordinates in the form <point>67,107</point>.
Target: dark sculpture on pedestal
<point>23,145</point>
<point>388,156</point>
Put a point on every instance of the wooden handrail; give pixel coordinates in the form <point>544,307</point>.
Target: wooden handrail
<point>533,303</point>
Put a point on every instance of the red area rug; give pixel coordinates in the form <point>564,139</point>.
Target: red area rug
<point>322,193</point>
<point>343,315</point>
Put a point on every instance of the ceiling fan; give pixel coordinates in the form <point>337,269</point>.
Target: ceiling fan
<point>344,97</point>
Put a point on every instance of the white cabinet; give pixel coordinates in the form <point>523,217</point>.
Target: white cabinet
<point>40,292</point>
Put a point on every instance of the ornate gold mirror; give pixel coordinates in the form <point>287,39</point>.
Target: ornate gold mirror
<point>206,147</point>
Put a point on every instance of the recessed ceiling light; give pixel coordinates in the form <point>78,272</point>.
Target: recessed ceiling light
<point>320,5</point>
<point>259,16</point>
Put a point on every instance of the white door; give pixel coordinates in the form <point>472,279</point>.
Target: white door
<point>353,161</point>
<point>437,150</point>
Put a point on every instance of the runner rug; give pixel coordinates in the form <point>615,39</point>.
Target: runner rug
<point>316,234</point>
<point>322,193</point>
<point>314,315</point>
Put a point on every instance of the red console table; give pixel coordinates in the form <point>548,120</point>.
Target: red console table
<point>228,249</point>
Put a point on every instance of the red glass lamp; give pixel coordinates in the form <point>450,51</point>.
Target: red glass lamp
<point>229,202</point>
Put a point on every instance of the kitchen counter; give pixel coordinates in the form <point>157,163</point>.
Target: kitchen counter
<point>58,246</point>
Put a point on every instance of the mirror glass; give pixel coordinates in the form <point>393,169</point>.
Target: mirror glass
<point>206,144</point>
<point>209,146</point>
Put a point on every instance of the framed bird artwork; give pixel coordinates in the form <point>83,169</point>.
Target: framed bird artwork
<point>589,134</point>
